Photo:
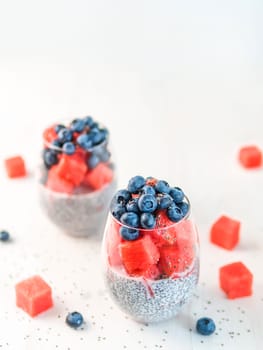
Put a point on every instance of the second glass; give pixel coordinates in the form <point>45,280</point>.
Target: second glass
<point>77,176</point>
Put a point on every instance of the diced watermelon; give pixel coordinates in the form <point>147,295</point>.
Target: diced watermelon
<point>98,177</point>
<point>113,242</point>
<point>33,295</point>
<point>50,134</point>
<point>151,181</point>
<point>250,157</point>
<point>15,167</point>
<point>167,232</point>
<point>225,232</point>
<point>236,280</point>
<point>57,183</point>
<point>152,273</point>
<point>138,256</point>
<point>165,229</point>
<point>176,258</point>
<point>72,168</point>
<point>169,259</point>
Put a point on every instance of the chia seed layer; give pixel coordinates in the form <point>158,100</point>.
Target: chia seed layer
<point>81,214</point>
<point>148,300</point>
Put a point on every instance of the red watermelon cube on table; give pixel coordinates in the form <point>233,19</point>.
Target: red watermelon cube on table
<point>225,232</point>
<point>250,157</point>
<point>236,280</point>
<point>33,295</point>
<point>15,167</point>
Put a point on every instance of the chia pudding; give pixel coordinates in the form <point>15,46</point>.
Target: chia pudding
<point>77,176</point>
<point>150,250</point>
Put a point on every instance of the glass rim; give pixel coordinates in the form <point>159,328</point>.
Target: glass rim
<point>174,224</point>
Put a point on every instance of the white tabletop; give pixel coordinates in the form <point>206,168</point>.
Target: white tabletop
<point>180,87</point>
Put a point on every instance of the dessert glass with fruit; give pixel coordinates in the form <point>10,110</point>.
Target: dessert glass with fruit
<point>150,250</point>
<point>77,176</point>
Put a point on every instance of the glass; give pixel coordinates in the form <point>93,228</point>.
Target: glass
<point>154,292</point>
<point>75,195</point>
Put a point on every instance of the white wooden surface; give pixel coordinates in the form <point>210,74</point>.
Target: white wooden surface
<point>180,87</point>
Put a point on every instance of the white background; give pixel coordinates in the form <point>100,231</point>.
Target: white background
<point>180,85</point>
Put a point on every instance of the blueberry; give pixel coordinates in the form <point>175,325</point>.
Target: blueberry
<point>147,220</point>
<point>69,148</point>
<point>96,136</point>
<point>130,219</point>
<point>105,133</point>
<point>177,194</point>
<point>122,196</point>
<point>162,186</point>
<point>93,161</point>
<point>74,319</point>
<point>94,125</point>
<point>4,236</point>
<point>136,183</point>
<point>88,121</point>
<point>205,326</point>
<point>59,127</point>
<point>165,201</point>
<point>174,213</point>
<point>56,143</point>
<point>132,205</point>
<point>118,210</point>
<point>105,156</point>
<point>184,206</point>
<point>84,141</point>
<point>148,190</point>
<point>147,203</point>
<point>65,135</point>
<point>77,125</point>
<point>129,234</point>
<point>50,158</point>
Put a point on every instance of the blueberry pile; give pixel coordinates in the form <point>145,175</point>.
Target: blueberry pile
<point>81,133</point>
<point>137,206</point>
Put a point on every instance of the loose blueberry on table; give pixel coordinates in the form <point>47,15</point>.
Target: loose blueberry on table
<point>4,236</point>
<point>205,326</point>
<point>74,319</point>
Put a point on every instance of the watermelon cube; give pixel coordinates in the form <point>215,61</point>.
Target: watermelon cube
<point>151,181</point>
<point>33,295</point>
<point>236,280</point>
<point>169,260</point>
<point>250,157</point>
<point>165,229</point>
<point>72,168</point>
<point>57,183</point>
<point>152,273</point>
<point>138,256</point>
<point>176,258</point>
<point>225,232</point>
<point>98,177</point>
<point>15,167</point>
<point>49,134</point>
